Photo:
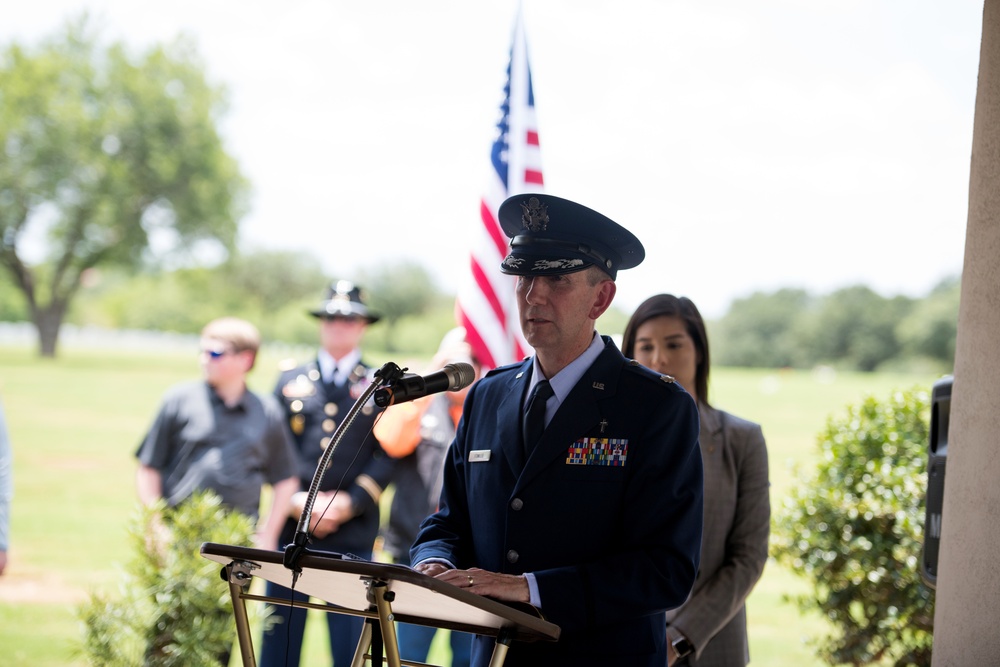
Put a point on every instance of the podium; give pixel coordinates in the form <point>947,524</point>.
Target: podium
<point>379,592</point>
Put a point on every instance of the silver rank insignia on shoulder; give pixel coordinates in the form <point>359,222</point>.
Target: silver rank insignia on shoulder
<point>667,378</point>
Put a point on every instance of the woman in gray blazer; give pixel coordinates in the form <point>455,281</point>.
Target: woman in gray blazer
<point>667,334</point>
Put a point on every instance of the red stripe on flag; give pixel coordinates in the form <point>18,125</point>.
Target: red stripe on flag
<point>493,228</point>
<point>476,342</point>
<point>532,137</point>
<point>483,283</point>
<point>533,176</point>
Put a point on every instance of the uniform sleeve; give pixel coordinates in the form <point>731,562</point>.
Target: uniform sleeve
<point>367,488</point>
<point>446,534</point>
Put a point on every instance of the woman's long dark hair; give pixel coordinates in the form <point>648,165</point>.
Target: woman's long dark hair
<point>672,306</point>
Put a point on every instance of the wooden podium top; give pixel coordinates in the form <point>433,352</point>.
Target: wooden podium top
<point>344,583</point>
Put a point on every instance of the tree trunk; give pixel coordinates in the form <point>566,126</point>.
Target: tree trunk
<point>47,321</point>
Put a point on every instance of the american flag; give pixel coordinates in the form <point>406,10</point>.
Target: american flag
<point>486,304</point>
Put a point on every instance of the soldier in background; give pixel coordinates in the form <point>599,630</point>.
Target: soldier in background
<point>316,397</point>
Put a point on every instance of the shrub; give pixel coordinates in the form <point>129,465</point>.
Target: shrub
<point>855,529</point>
<point>172,608</point>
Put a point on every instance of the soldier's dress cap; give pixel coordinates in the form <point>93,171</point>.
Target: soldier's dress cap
<point>551,236</point>
<point>343,299</point>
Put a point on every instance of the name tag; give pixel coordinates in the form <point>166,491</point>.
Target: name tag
<point>479,455</point>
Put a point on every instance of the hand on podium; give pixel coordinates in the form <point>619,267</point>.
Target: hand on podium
<point>505,587</point>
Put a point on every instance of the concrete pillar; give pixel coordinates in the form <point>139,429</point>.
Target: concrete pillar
<point>967,612</point>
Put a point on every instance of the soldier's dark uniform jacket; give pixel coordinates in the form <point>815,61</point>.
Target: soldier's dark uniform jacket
<point>358,467</point>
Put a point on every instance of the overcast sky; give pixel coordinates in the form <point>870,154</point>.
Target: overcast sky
<point>750,145</point>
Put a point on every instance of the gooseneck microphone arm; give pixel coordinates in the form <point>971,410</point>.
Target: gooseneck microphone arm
<point>388,374</point>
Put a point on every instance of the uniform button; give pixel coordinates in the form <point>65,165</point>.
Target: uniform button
<point>512,556</point>
<point>516,504</point>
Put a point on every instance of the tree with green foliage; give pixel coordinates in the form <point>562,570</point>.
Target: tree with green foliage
<point>272,289</point>
<point>931,329</point>
<point>758,330</point>
<point>855,327</point>
<point>110,159</point>
<point>394,292</point>
<point>854,528</point>
<point>261,283</point>
<point>172,609</point>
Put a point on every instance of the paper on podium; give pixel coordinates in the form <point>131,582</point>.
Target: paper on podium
<point>418,598</point>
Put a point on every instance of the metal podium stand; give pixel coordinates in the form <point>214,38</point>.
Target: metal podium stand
<point>379,592</point>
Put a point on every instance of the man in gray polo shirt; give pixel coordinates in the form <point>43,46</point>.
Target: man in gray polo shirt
<point>217,434</point>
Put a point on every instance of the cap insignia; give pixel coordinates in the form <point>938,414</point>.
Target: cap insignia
<point>535,216</point>
<point>546,264</point>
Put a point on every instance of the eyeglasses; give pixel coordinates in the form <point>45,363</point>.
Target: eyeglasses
<point>216,354</point>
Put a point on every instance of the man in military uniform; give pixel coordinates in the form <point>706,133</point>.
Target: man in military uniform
<point>316,397</point>
<point>583,498</point>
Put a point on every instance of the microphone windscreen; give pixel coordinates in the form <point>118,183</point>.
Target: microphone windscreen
<point>461,375</point>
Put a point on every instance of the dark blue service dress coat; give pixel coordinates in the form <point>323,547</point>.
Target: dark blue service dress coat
<point>358,467</point>
<point>606,512</point>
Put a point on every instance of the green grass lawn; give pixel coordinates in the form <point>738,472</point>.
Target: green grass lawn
<point>76,421</point>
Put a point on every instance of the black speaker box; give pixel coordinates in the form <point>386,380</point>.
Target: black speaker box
<point>937,456</point>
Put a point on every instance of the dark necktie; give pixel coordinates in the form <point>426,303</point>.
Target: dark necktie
<point>334,387</point>
<point>534,417</point>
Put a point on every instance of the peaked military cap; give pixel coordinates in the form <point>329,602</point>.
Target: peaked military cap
<point>551,236</point>
<point>343,299</point>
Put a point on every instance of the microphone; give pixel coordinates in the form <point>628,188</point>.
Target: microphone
<point>450,378</point>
